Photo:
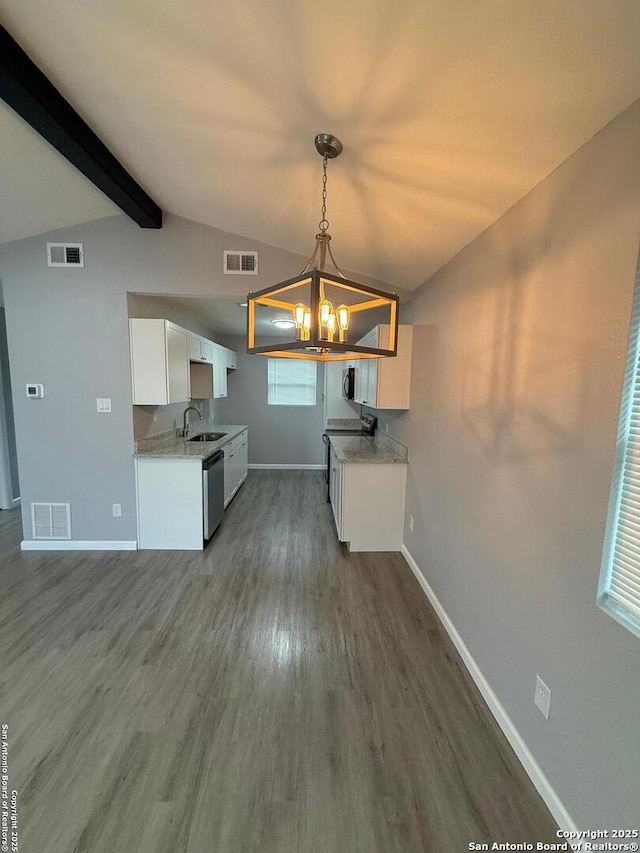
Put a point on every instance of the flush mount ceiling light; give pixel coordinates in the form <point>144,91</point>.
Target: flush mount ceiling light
<point>284,323</point>
<point>324,332</point>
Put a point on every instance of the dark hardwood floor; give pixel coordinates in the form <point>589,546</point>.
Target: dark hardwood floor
<point>273,693</point>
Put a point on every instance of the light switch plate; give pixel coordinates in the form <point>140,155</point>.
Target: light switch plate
<point>103,404</point>
<point>542,697</point>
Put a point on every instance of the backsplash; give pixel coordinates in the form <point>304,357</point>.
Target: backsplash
<point>169,417</point>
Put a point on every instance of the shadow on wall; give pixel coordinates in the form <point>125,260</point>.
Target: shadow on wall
<point>524,394</point>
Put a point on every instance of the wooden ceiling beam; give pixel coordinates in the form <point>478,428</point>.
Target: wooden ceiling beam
<point>35,99</point>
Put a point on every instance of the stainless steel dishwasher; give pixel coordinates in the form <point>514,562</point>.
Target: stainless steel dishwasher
<point>213,492</point>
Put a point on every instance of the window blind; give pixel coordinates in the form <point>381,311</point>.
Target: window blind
<point>619,592</point>
<point>291,382</point>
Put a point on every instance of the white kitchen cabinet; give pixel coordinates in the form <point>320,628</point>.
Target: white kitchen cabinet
<point>335,491</point>
<point>159,362</point>
<point>243,457</point>
<point>235,464</point>
<point>200,349</point>
<point>169,498</point>
<point>219,371</point>
<point>368,501</point>
<point>385,383</point>
<point>232,359</point>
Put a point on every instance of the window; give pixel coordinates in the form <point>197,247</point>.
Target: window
<point>291,382</point>
<point>619,592</point>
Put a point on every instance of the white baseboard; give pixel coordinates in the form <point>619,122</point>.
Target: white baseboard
<point>531,766</point>
<point>273,466</point>
<point>77,545</point>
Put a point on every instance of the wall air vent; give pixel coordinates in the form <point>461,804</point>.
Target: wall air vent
<point>51,521</point>
<point>65,255</point>
<point>240,263</point>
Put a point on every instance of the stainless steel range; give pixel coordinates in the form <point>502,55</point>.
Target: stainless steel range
<point>367,427</point>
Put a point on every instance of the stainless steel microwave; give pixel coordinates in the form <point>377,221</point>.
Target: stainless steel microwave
<point>348,383</point>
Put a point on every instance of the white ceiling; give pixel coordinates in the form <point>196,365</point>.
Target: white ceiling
<point>449,111</point>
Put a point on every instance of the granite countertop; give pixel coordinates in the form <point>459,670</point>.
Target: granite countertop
<point>381,449</point>
<point>168,445</point>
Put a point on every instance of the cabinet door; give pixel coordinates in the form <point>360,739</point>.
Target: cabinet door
<point>367,372</point>
<point>219,372</point>
<point>206,351</point>
<point>243,457</point>
<point>178,385</point>
<point>232,359</point>
<point>335,483</point>
<point>228,488</point>
<point>371,390</point>
<point>194,347</point>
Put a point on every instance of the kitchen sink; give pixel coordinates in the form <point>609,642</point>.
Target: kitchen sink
<point>207,436</point>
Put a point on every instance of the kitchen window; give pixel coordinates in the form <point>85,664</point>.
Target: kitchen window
<point>619,592</point>
<point>291,382</point>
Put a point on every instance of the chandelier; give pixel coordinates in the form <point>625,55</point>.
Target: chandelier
<point>320,315</point>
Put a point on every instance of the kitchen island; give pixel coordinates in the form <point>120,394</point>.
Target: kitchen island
<point>367,483</point>
<point>169,483</point>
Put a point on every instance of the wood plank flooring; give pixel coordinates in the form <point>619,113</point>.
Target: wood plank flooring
<point>273,693</point>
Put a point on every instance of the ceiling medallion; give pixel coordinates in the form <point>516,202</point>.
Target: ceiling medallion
<point>324,332</point>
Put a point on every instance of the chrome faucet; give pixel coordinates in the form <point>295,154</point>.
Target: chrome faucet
<point>185,425</point>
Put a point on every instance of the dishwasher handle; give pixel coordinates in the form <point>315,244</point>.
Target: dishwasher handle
<point>210,461</point>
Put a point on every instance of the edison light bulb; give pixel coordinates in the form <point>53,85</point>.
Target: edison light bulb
<point>331,325</point>
<point>298,314</point>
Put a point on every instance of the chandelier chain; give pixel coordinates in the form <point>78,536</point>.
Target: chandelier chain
<point>324,222</point>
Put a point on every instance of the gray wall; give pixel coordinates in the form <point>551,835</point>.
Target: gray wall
<point>517,376</point>
<point>283,435</point>
<point>68,328</point>
<point>7,427</point>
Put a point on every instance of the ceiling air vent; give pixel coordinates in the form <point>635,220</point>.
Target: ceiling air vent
<point>240,263</point>
<point>65,255</point>
<point>51,521</point>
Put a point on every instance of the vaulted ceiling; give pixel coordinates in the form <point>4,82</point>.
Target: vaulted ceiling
<point>449,112</point>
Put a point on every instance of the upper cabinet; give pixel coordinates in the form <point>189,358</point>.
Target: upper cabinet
<point>385,383</point>
<point>200,349</point>
<point>219,371</point>
<point>170,364</point>
<point>159,362</point>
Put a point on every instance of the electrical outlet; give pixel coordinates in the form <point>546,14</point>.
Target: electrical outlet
<point>411,524</point>
<point>117,510</point>
<point>542,697</point>
<point>386,427</point>
<point>103,404</point>
<point>154,417</point>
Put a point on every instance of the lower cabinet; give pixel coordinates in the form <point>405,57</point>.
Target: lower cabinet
<point>236,458</point>
<point>335,491</point>
<point>368,502</point>
<point>169,494</point>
